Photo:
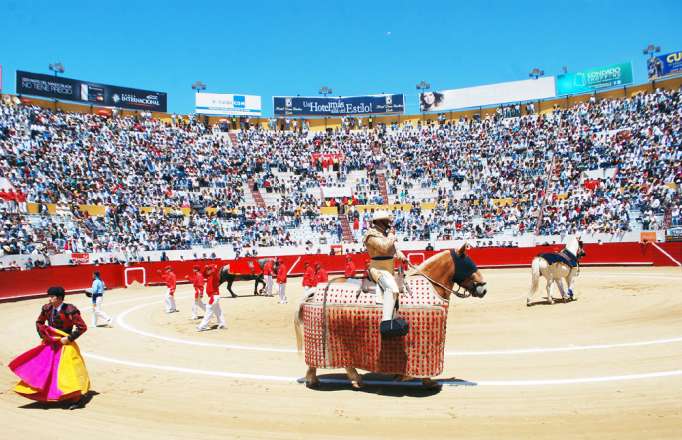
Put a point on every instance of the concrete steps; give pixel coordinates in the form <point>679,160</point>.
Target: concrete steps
<point>255,193</point>
<point>345,227</point>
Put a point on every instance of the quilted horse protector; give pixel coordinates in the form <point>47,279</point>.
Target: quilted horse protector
<point>350,337</point>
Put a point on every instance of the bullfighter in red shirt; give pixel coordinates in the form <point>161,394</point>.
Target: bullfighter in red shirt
<point>349,271</point>
<point>282,281</point>
<point>169,278</point>
<point>213,307</point>
<point>197,279</point>
<point>321,274</point>
<point>268,271</point>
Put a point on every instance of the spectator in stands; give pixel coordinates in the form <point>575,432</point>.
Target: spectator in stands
<point>487,177</point>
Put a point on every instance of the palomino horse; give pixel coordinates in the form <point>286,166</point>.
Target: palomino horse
<point>349,329</point>
<point>229,278</point>
<point>556,267</point>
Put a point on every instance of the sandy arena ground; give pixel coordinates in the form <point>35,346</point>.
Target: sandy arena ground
<point>606,366</point>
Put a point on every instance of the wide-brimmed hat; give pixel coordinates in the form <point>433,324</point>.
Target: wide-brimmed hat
<point>381,215</point>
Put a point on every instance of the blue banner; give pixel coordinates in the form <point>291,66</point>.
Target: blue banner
<point>344,105</point>
<point>664,65</point>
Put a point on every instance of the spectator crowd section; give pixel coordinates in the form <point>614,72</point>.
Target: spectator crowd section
<point>76,182</point>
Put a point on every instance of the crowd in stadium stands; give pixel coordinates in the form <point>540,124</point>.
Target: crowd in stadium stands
<point>485,177</point>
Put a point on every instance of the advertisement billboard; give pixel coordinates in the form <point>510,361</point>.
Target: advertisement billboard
<point>598,78</point>
<point>663,65</point>
<point>491,94</point>
<point>342,105</point>
<point>224,104</point>
<point>38,84</point>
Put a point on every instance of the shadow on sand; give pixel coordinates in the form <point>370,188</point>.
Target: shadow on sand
<point>85,400</point>
<point>386,385</point>
<point>545,302</point>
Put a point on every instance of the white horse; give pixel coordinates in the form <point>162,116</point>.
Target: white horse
<point>556,267</point>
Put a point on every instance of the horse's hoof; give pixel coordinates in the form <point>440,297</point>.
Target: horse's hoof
<point>403,378</point>
<point>357,384</point>
<point>234,296</point>
<point>430,384</point>
<point>312,384</point>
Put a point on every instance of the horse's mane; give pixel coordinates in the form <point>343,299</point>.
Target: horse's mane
<point>572,242</point>
<point>426,263</point>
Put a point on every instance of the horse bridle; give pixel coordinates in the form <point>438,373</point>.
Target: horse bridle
<point>451,291</point>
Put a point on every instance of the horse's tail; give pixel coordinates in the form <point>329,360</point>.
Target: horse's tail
<point>535,275</point>
<point>224,274</point>
<point>298,327</point>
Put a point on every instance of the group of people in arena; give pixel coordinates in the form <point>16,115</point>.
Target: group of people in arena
<point>588,168</point>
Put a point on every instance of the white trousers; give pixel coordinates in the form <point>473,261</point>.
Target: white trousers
<point>282,292</point>
<point>169,302</point>
<point>268,285</point>
<point>390,287</point>
<point>97,312</point>
<point>211,311</point>
<point>307,291</point>
<point>196,306</point>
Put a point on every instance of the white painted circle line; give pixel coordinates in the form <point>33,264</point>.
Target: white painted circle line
<point>120,321</point>
<point>581,380</point>
<point>291,379</point>
<point>260,377</point>
<point>562,349</point>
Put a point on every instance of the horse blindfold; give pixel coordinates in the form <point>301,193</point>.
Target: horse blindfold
<point>464,267</point>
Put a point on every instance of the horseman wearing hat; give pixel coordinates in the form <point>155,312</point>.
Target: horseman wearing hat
<point>380,243</point>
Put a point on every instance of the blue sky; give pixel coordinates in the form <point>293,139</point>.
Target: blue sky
<point>355,47</point>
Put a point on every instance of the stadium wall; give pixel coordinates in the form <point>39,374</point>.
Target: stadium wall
<point>24,284</point>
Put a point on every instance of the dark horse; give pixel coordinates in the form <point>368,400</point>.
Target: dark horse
<point>229,278</point>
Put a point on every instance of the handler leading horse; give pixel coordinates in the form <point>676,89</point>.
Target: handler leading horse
<point>555,267</point>
<point>227,277</point>
<point>442,271</point>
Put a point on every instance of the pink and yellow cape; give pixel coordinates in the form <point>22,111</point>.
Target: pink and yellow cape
<point>51,371</point>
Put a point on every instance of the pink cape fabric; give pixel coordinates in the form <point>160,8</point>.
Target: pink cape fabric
<point>47,374</point>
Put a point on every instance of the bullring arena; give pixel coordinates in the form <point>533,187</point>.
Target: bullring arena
<point>608,365</point>
<point>214,215</point>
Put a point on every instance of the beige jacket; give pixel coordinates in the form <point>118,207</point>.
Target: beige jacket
<point>382,252</point>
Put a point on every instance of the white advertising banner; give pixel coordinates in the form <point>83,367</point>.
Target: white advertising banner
<point>224,104</point>
<point>492,94</point>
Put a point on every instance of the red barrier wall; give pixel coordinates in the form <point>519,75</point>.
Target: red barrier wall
<point>36,281</point>
<point>14,284</point>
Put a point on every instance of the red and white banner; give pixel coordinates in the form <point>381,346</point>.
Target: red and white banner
<point>80,257</point>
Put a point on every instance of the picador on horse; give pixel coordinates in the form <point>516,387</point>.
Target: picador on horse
<point>380,244</point>
<point>399,332</point>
